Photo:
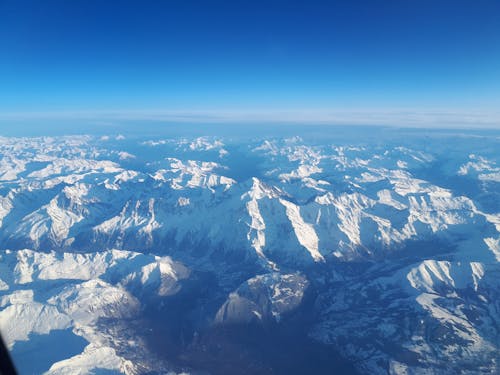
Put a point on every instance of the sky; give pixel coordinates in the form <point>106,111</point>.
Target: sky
<point>414,62</point>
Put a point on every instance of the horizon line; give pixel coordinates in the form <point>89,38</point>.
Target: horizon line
<point>400,117</point>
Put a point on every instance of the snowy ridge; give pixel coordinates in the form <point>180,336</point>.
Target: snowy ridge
<point>398,208</point>
<point>305,232</point>
<point>95,286</point>
<point>193,174</point>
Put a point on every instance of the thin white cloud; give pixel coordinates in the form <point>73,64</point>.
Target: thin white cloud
<point>387,117</point>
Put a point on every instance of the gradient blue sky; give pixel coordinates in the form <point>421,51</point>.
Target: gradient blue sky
<point>333,60</point>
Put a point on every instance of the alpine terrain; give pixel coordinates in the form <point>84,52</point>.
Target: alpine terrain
<point>325,251</point>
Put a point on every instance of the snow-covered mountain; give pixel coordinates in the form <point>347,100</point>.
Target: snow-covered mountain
<point>139,252</point>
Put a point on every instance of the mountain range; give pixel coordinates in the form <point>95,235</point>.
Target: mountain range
<point>373,254</point>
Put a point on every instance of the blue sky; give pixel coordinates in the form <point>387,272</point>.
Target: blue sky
<point>339,61</point>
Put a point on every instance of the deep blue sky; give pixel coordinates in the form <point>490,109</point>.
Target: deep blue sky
<point>422,55</point>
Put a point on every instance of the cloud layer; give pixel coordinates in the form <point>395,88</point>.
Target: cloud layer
<point>385,117</point>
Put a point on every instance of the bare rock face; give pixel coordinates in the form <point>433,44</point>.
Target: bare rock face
<point>263,297</point>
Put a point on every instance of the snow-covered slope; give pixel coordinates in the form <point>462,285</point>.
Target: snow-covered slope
<point>44,293</point>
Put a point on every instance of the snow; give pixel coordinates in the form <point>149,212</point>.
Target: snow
<point>431,248</point>
<point>93,358</point>
<point>386,197</point>
<point>21,316</point>
<point>263,297</point>
<point>124,155</point>
<point>94,286</point>
<point>305,232</point>
<point>91,300</point>
<point>205,144</point>
<point>132,216</point>
<point>432,276</point>
<point>494,245</point>
<point>10,168</point>
<point>5,206</point>
<point>256,233</point>
<point>193,174</point>
<point>66,166</point>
